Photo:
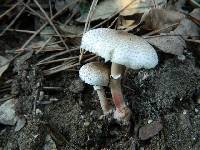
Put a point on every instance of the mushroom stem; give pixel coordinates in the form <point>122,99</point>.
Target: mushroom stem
<point>103,100</point>
<point>122,111</point>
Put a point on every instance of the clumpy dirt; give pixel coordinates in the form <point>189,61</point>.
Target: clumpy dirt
<point>32,136</point>
<point>75,121</point>
<point>26,85</point>
<point>167,87</point>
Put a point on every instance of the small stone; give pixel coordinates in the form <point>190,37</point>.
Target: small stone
<point>49,143</point>
<point>149,121</point>
<point>181,57</point>
<point>86,124</point>
<point>196,110</point>
<point>184,112</point>
<point>38,112</point>
<point>150,130</point>
<point>7,113</point>
<point>20,124</point>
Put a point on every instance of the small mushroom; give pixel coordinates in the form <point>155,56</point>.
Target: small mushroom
<point>97,74</point>
<point>122,49</point>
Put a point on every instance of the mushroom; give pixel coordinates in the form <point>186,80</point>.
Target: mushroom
<point>97,74</point>
<point>122,49</point>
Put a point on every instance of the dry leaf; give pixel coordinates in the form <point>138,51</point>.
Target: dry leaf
<point>187,28</point>
<point>138,6</point>
<point>168,44</point>
<point>126,24</point>
<point>196,13</point>
<point>176,5</point>
<point>4,63</point>
<point>108,7</point>
<point>161,18</point>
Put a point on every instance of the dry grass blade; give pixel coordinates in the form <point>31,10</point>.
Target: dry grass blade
<point>14,20</point>
<point>44,25</point>
<point>60,68</point>
<point>181,35</point>
<point>90,59</point>
<point>33,11</point>
<point>194,41</point>
<point>87,24</point>
<point>51,23</point>
<point>59,60</point>
<point>45,44</point>
<point>170,27</point>
<point>50,8</point>
<point>56,55</point>
<point>91,12</point>
<point>9,10</point>
<point>34,32</point>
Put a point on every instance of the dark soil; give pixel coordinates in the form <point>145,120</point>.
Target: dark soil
<point>166,93</point>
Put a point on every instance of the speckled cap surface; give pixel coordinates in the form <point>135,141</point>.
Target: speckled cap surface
<point>120,47</point>
<point>95,74</point>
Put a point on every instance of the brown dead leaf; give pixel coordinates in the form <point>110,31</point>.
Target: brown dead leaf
<point>150,130</point>
<point>161,18</point>
<point>176,4</point>
<point>172,42</point>
<point>108,7</point>
<point>187,28</point>
<point>168,43</point>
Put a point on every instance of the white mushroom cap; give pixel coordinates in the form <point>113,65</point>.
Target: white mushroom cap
<point>120,47</point>
<point>95,74</point>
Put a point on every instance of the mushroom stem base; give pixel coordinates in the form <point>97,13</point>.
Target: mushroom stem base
<point>122,113</point>
<point>104,101</point>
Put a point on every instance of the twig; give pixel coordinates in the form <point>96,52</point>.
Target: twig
<point>44,50</point>
<point>89,16</point>
<point>44,25</point>
<point>59,60</point>
<point>33,32</point>
<point>58,54</point>
<point>51,23</point>
<point>45,44</point>
<point>50,8</point>
<point>52,88</point>
<point>90,59</point>
<point>87,23</point>
<point>113,22</point>
<point>68,58</point>
<point>9,10</point>
<point>69,19</point>
<point>155,36</point>
<point>64,66</point>
<point>13,21</point>
<point>34,12</point>
<point>60,68</point>
<point>162,29</point>
<point>194,41</point>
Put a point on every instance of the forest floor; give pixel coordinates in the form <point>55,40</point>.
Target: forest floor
<point>45,105</point>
